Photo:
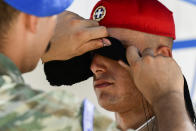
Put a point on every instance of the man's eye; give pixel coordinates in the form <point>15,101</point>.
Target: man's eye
<point>48,47</point>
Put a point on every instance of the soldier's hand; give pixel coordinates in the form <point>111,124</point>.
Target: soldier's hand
<point>154,76</point>
<point>75,36</point>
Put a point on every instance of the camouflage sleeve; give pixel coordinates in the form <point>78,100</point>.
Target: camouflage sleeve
<point>25,109</point>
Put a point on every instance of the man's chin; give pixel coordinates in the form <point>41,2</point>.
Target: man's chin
<point>29,68</point>
<point>110,106</point>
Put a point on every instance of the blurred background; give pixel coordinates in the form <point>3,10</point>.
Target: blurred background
<point>184,50</point>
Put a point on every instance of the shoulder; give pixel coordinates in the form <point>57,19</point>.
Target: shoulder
<point>27,109</point>
<point>22,107</point>
<point>15,91</point>
<point>101,122</point>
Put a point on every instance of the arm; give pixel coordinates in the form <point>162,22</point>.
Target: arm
<point>171,113</point>
<point>161,82</point>
<point>75,36</point>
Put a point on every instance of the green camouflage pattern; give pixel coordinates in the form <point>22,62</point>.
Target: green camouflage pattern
<point>25,109</point>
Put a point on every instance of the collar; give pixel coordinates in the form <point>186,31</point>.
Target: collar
<point>7,67</point>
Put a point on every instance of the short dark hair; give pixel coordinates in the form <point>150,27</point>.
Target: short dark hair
<point>7,16</point>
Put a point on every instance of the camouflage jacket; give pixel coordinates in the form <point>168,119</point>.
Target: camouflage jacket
<point>25,109</point>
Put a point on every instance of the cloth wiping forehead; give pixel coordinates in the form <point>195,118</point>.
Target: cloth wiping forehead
<point>116,52</point>
<point>68,72</point>
<point>77,69</point>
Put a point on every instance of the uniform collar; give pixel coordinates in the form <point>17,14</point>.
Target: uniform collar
<point>7,67</point>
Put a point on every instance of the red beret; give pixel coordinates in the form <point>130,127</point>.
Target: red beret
<point>148,16</point>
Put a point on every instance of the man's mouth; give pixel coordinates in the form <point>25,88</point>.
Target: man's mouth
<point>102,84</point>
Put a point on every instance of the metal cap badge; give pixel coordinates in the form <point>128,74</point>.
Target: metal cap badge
<point>99,13</point>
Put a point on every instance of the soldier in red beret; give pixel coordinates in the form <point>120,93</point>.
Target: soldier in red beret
<point>144,94</point>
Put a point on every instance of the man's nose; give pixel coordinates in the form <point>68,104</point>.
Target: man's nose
<point>97,65</point>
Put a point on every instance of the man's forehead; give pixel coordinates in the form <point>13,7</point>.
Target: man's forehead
<point>128,37</point>
<point>121,32</point>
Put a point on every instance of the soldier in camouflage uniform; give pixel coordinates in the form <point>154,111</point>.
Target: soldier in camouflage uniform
<point>21,107</point>
<point>25,109</point>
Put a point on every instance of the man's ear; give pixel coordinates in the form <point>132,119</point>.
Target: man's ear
<point>164,51</point>
<point>31,23</point>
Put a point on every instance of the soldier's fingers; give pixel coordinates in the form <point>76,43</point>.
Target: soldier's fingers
<point>133,55</point>
<point>67,15</point>
<point>160,55</point>
<point>130,69</point>
<point>92,45</point>
<point>91,23</point>
<point>95,32</point>
<point>148,52</point>
<point>120,62</point>
<point>81,22</point>
<point>106,42</point>
<point>71,14</point>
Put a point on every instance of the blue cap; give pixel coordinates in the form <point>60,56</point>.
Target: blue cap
<point>40,8</point>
